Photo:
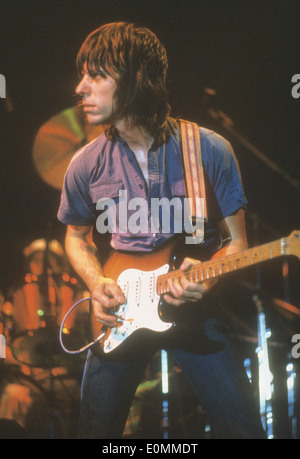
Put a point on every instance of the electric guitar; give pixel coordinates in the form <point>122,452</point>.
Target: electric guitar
<point>144,280</point>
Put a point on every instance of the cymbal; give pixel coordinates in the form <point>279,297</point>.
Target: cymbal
<point>58,140</point>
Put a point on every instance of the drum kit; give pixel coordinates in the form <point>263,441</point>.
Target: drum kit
<point>36,375</point>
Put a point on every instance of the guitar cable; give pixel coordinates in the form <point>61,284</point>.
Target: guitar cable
<point>61,333</point>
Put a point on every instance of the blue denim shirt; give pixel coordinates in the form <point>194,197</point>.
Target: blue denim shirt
<point>108,169</point>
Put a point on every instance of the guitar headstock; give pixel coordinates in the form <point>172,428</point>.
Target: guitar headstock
<point>293,244</point>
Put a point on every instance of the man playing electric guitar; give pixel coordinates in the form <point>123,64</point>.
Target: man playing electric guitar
<point>123,70</point>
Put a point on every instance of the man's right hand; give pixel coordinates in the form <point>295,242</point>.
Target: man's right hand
<point>106,296</point>
<point>83,255</point>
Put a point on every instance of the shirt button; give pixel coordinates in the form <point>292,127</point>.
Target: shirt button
<point>141,186</point>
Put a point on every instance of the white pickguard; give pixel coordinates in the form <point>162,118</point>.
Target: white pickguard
<point>141,307</point>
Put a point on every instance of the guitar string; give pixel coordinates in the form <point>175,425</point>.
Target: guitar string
<point>226,261</point>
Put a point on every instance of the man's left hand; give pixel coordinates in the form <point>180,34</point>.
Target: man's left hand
<point>184,291</point>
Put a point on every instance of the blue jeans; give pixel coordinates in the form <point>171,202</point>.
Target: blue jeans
<point>218,379</point>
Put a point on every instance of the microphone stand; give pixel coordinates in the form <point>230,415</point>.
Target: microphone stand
<point>265,375</point>
<point>165,393</point>
<point>228,124</point>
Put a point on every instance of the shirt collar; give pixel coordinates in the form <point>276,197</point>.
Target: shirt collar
<point>168,129</point>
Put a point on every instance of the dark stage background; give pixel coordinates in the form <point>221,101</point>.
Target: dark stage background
<point>247,51</point>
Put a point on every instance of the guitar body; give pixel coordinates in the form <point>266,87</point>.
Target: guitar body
<point>136,274</point>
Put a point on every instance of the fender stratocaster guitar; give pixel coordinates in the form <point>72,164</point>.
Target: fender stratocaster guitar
<point>144,279</point>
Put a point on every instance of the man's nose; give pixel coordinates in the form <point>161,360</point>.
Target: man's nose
<point>83,86</point>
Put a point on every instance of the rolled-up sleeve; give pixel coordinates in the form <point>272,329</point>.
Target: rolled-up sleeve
<point>223,173</point>
<point>76,206</point>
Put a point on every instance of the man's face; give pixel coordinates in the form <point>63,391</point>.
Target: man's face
<point>97,97</point>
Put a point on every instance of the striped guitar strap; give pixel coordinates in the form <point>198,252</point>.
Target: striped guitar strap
<point>194,178</point>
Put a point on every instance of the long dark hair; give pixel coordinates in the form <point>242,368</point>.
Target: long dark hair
<point>137,60</point>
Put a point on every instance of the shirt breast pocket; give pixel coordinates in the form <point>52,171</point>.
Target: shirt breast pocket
<point>105,191</point>
<point>107,197</point>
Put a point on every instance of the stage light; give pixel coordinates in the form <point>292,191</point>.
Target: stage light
<point>164,369</point>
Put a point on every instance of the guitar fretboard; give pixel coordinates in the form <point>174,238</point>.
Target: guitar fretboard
<point>219,266</point>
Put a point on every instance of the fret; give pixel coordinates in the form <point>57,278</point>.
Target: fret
<point>272,250</point>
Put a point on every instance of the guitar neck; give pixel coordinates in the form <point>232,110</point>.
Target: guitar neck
<point>227,264</point>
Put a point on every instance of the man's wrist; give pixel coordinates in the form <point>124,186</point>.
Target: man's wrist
<point>93,277</point>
